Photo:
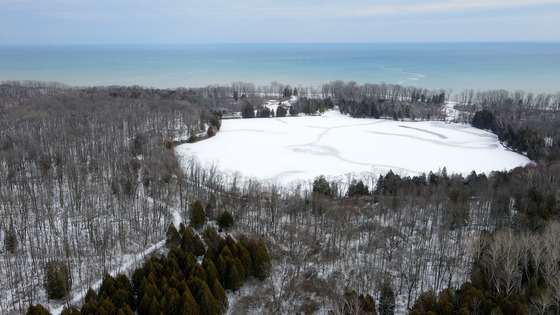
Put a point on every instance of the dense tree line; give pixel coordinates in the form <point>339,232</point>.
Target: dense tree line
<point>525,136</point>
<point>178,283</point>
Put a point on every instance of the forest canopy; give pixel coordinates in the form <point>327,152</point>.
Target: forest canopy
<point>89,175</point>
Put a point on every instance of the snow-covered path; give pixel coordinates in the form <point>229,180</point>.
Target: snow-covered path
<point>127,264</point>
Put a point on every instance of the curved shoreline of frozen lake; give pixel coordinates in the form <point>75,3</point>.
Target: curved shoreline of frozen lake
<point>301,148</point>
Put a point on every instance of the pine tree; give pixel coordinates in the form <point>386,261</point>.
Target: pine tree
<point>91,296</point>
<point>126,310</point>
<point>108,286</point>
<point>321,186</point>
<point>240,269</point>
<point>137,277</point>
<point>195,285</point>
<point>173,238</point>
<point>198,249</point>
<point>37,310</point>
<point>211,272</point>
<point>57,280</point>
<point>206,301</point>
<point>233,278</point>
<point>197,215</point>
<point>198,272</point>
<point>90,307</point>
<point>226,252</point>
<point>248,111</point>
<point>124,285</point>
<point>188,304</point>
<point>261,261</point>
<point>230,243</point>
<point>106,306</point>
<point>221,268</point>
<point>173,306</point>
<point>187,243</point>
<point>281,111</point>
<point>220,296</point>
<point>225,220</point>
<point>144,305</point>
<point>155,307</point>
<point>245,258</point>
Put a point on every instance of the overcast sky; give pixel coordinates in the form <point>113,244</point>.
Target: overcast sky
<point>209,21</point>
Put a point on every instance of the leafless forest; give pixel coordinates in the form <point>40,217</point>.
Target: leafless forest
<point>88,177</point>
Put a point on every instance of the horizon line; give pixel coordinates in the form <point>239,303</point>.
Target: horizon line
<point>285,43</point>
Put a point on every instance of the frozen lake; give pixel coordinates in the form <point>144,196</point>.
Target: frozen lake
<point>300,148</point>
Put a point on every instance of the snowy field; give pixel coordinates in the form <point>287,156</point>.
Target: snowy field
<point>292,149</point>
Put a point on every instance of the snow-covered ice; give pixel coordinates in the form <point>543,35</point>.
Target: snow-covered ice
<point>301,148</point>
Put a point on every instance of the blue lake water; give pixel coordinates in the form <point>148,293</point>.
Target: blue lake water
<point>532,67</point>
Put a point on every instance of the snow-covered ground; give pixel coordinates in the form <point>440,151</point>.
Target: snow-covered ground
<point>300,148</point>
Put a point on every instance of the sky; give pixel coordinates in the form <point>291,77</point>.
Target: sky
<point>220,21</point>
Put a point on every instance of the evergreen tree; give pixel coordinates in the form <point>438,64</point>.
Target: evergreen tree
<point>106,306</point>
<point>172,236</point>
<point>293,111</point>
<point>368,304</point>
<point>357,189</point>
<point>10,239</point>
<point>144,305</point>
<point>483,119</point>
<point>155,307</point>
<point>197,215</point>
<point>198,272</point>
<point>91,296</point>
<point>220,296</point>
<point>187,241</point>
<point>198,249</point>
<point>37,310</point>
<point>206,301</point>
<point>221,268</point>
<point>57,280</point>
<point>226,252</point>
<point>248,111</point>
<point>211,272</point>
<point>173,306</point>
<point>245,258</point>
<point>225,220</point>
<point>137,277</point>
<point>240,269</point>
<point>233,279</point>
<point>188,304</point>
<point>108,286</point>
<point>90,307</point>
<point>126,310</point>
<point>263,112</point>
<point>281,111</point>
<point>261,261</point>
<point>125,288</point>
<point>321,186</point>
<point>387,300</point>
